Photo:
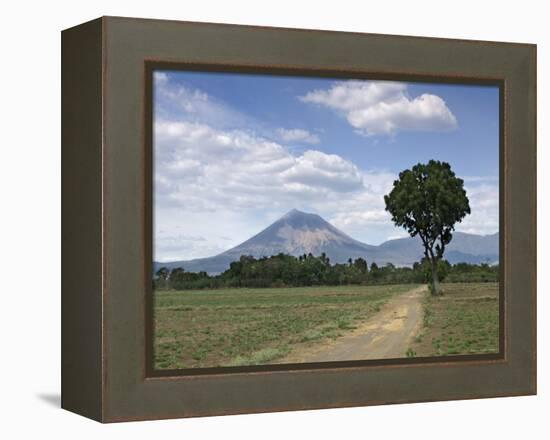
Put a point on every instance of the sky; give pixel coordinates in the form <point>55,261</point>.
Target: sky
<point>235,152</point>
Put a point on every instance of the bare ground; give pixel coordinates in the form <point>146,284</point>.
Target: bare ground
<point>386,335</point>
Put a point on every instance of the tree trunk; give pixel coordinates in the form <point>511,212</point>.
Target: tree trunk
<point>436,288</point>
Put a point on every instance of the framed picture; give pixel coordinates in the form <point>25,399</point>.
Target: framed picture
<point>263,219</point>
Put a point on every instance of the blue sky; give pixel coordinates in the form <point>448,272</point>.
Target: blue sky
<point>234,152</point>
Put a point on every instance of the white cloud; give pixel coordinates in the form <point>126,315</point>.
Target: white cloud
<point>361,218</point>
<point>297,135</point>
<point>213,180</point>
<point>160,78</point>
<point>218,176</point>
<point>484,204</point>
<point>173,245</point>
<point>478,179</point>
<point>204,173</point>
<point>398,236</point>
<point>318,169</point>
<point>244,165</point>
<point>384,108</point>
<point>184,103</point>
<point>363,215</point>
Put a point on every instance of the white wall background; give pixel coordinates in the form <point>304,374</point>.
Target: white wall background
<point>30,219</point>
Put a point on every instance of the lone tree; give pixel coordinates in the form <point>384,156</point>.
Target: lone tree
<point>427,201</point>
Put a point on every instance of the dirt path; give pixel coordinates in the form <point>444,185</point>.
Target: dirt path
<point>387,334</point>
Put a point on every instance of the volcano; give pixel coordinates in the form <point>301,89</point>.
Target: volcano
<point>297,233</point>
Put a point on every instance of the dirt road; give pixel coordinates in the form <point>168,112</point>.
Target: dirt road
<point>387,334</point>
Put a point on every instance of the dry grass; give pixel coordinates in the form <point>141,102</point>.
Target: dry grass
<point>465,320</point>
<point>228,327</point>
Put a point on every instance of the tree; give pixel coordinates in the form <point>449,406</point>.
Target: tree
<point>361,265</point>
<point>176,272</point>
<point>161,277</point>
<point>162,273</point>
<point>374,271</point>
<point>428,200</point>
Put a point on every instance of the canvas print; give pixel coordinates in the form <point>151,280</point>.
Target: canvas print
<point>305,220</point>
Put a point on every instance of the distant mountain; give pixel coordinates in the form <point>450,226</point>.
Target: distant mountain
<point>464,248</point>
<point>298,233</point>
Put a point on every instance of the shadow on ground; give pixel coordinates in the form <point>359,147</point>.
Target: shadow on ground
<point>52,399</point>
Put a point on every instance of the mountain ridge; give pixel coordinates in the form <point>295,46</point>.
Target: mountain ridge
<point>297,233</point>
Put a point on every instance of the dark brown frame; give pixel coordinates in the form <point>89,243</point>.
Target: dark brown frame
<point>150,66</point>
<point>106,213</point>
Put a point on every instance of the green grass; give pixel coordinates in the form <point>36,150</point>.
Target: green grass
<point>227,327</point>
<point>465,320</point>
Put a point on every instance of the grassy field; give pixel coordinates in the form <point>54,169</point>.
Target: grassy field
<point>230,327</point>
<point>462,321</point>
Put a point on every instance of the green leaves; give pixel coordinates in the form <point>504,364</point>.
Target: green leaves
<point>428,200</point>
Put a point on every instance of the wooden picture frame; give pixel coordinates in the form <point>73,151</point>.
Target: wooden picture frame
<point>107,370</point>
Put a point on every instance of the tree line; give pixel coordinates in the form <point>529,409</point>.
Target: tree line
<point>284,270</point>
